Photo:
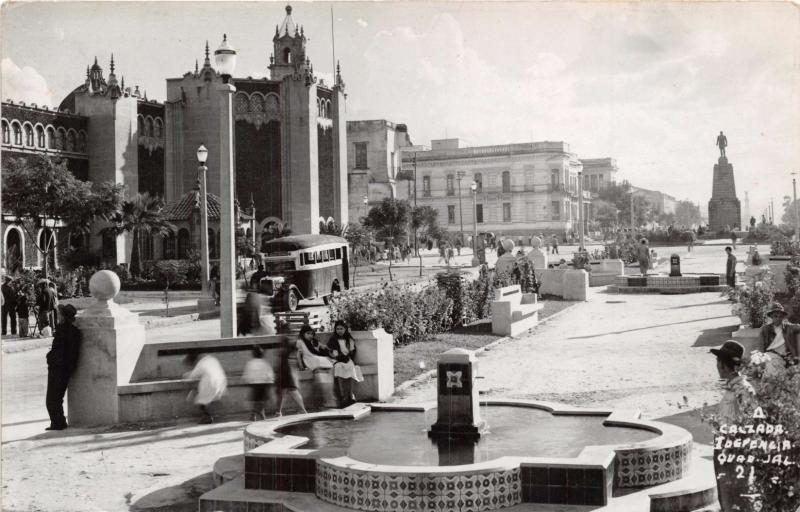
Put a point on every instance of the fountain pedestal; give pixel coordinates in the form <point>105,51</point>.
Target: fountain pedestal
<point>458,410</point>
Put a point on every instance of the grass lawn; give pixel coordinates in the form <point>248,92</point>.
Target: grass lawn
<point>407,358</point>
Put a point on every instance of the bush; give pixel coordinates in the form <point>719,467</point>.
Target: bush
<point>409,315</point>
<point>792,275</point>
<point>783,246</point>
<point>753,301</point>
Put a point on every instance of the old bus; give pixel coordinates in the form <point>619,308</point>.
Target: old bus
<point>304,267</point>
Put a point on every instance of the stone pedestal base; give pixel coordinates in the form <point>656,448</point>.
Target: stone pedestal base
<point>206,308</point>
<point>443,431</point>
<point>724,209</point>
<point>538,259</point>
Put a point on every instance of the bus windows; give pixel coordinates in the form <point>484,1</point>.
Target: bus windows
<point>309,258</point>
<point>338,253</point>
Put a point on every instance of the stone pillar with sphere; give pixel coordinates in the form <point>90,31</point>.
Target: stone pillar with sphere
<point>111,341</point>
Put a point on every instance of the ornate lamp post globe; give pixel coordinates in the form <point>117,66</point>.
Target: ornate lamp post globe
<point>202,155</point>
<point>225,59</point>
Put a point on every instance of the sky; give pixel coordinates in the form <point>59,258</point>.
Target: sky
<point>650,84</point>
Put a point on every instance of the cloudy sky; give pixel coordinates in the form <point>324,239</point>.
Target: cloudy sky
<point>650,84</point>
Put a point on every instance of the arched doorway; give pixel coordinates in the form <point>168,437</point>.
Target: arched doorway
<point>47,241</point>
<point>15,251</point>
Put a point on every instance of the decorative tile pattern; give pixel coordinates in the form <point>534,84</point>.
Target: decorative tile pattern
<point>387,492</point>
<point>647,467</point>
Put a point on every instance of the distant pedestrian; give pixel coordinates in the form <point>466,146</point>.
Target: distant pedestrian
<point>258,375</point>
<point>730,268</point>
<point>643,256</point>
<point>211,385</point>
<point>733,239</point>
<point>9,308</point>
<point>458,245</point>
<point>62,359</point>
<point>734,409</point>
<point>23,313</point>
<point>449,255</point>
<point>554,241</point>
<point>45,302</point>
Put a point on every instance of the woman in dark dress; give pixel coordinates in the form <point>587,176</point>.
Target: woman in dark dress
<point>342,348</point>
<point>287,376</point>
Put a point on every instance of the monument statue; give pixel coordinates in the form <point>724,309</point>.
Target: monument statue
<point>722,142</point>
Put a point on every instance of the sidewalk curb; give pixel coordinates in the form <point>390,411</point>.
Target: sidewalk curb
<point>430,373</point>
<point>23,345</point>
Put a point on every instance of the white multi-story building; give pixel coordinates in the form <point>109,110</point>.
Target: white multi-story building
<point>522,189</point>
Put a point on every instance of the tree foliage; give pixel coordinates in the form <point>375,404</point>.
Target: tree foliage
<point>141,216</point>
<point>389,219</point>
<point>39,187</point>
<point>425,219</point>
<point>687,213</point>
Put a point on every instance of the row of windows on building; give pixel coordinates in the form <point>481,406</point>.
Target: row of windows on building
<point>592,183</point>
<point>554,214</point>
<point>27,136</point>
<point>149,127</point>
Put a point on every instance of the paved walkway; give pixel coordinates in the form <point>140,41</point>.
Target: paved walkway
<point>629,351</point>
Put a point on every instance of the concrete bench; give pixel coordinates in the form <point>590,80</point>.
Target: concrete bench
<point>514,312</point>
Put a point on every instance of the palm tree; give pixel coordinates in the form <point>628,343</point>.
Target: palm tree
<point>141,216</point>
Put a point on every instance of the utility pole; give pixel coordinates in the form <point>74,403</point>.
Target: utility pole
<point>459,175</point>
<point>796,218</point>
<point>416,244</point>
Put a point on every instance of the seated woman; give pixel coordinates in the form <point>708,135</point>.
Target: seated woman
<point>342,348</point>
<point>312,355</point>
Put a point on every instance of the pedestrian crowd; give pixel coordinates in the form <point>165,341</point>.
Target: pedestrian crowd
<point>21,301</point>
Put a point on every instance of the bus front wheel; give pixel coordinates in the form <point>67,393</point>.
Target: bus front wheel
<point>291,301</point>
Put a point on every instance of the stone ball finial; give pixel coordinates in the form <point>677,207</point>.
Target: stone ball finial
<point>104,285</point>
<point>508,245</point>
<point>289,10</point>
<point>536,242</point>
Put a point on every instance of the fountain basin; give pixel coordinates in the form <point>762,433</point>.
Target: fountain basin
<point>662,283</point>
<point>392,476</point>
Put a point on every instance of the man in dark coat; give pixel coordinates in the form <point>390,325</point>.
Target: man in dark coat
<point>9,306</point>
<point>61,362</point>
<point>730,268</point>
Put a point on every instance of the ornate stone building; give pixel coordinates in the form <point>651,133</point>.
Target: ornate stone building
<point>523,189</point>
<point>289,129</point>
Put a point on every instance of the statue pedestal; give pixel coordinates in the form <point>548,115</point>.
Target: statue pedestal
<point>505,263</point>
<point>538,258</point>
<point>724,209</point>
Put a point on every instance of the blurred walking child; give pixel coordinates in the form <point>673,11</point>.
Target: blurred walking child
<point>259,376</point>
<point>211,385</point>
<point>286,374</point>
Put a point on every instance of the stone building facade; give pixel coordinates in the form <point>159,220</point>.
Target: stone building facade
<point>289,130</point>
<point>523,189</point>
<point>374,151</point>
<point>598,173</point>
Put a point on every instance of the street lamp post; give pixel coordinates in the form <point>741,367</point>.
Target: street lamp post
<point>474,187</point>
<point>459,175</point>
<point>416,243</point>
<point>796,217</point>
<point>205,303</point>
<point>580,210</point>
<point>225,58</point>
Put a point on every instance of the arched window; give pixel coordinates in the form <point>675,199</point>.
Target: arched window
<point>478,181</point>
<point>157,128</point>
<point>148,127</point>
<point>169,246</point>
<point>39,137</point>
<point>109,245</point>
<point>28,135</point>
<point>327,108</point>
<point>60,136</point>
<point>183,244</point>
<point>47,239</point>
<point>15,255</point>
<point>6,133</point>
<point>17,134</point>
<point>71,140</point>
<point>51,138</point>
<point>287,55</point>
<point>140,120</point>
<point>506,181</point>
<point>82,141</point>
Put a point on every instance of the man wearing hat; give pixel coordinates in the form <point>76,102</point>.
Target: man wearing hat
<point>61,362</point>
<point>779,340</point>
<point>738,398</point>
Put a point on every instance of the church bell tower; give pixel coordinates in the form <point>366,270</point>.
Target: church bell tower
<point>289,48</point>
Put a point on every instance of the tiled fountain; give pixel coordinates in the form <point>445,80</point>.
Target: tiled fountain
<point>458,454</point>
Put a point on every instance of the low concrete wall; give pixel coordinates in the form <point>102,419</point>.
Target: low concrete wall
<point>157,389</point>
<point>566,283</point>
